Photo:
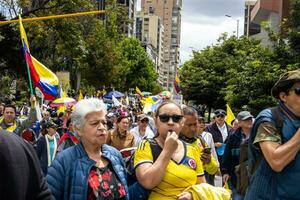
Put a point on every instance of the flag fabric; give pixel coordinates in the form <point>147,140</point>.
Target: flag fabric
<point>41,76</point>
<point>116,101</point>
<point>80,97</point>
<point>177,84</point>
<point>230,115</point>
<point>138,91</point>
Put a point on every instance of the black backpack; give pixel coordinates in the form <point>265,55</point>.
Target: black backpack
<point>129,161</point>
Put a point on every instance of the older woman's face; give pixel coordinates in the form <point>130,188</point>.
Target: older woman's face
<point>163,125</point>
<point>123,124</point>
<point>94,130</point>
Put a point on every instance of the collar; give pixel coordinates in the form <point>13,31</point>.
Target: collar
<point>187,139</point>
<point>221,127</point>
<point>288,112</point>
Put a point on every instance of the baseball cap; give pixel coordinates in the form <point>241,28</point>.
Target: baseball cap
<point>219,112</point>
<point>142,116</point>
<point>243,115</point>
<point>285,79</point>
<point>50,123</point>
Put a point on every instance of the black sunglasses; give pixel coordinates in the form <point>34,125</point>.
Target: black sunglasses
<point>297,91</point>
<point>144,120</point>
<point>166,118</point>
<point>220,115</point>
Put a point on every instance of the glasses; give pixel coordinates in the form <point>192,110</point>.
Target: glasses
<point>221,115</point>
<point>218,113</point>
<point>145,121</point>
<point>166,118</point>
<point>297,91</point>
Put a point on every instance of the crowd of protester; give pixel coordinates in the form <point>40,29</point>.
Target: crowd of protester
<point>90,151</point>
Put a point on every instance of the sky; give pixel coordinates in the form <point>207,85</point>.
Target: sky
<point>203,21</point>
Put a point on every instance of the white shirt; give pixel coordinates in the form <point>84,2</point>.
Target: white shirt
<point>210,142</point>
<point>223,130</point>
<point>137,137</point>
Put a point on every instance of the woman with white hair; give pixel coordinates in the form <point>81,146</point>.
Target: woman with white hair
<point>91,169</point>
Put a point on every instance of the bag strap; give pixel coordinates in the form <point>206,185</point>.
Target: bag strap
<point>155,148</point>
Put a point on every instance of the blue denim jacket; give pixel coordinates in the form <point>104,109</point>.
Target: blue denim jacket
<point>68,175</point>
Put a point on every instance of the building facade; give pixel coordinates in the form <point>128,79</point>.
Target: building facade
<point>273,12</point>
<point>150,31</point>
<point>169,12</point>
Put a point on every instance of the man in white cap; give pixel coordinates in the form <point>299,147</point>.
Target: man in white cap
<point>142,130</point>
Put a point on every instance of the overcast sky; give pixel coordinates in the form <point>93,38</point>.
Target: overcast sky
<point>203,21</point>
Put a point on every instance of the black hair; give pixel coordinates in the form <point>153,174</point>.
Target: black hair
<point>10,106</point>
<point>68,122</point>
<point>120,117</point>
<point>286,87</point>
<point>60,114</point>
<point>165,103</point>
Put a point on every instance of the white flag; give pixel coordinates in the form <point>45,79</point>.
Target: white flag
<point>116,101</point>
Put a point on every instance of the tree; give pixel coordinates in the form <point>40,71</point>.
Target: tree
<point>136,68</point>
<point>240,72</point>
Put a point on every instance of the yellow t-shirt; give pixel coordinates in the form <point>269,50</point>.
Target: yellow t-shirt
<point>212,167</point>
<point>178,176</point>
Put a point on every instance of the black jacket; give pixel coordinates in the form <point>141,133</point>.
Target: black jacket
<point>216,133</point>
<point>21,177</point>
<point>231,157</point>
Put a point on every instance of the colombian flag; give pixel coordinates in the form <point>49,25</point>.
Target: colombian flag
<point>41,76</point>
<point>176,84</point>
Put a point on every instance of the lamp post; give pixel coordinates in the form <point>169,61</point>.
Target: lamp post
<point>237,24</point>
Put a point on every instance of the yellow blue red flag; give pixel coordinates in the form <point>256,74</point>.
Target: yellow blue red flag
<point>41,76</point>
<point>177,84</point>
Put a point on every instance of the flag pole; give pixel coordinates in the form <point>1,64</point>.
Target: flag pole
<point>28,70</point>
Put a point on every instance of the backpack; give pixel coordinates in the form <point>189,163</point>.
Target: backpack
<point>242,170</point>
<point>129,159</point>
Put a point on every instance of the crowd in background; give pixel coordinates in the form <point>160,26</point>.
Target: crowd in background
<point>90,150</point>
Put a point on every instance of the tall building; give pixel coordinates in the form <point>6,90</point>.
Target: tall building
<point>130,5</point>
<point>250,28</point>
<point>149,30</point>
<point>170,13</point>
<point>271,11</point>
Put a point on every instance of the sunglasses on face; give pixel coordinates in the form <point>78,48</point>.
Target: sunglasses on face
<point>166,118</point>
<point>297,91</point>
<point>218,113</point>
<point>221,115</point>
<point>144,120</point>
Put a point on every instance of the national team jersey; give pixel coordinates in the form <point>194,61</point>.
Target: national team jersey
<point>212,167</point>
<point>178,176</point>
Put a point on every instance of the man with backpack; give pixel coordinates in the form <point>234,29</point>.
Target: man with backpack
<point>232,162</point>
<point>274,143</point>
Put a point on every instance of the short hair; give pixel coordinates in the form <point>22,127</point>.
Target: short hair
<point>187,110</point>
<point>201,120</point>
<point>10,106</point>
<point>166,102</point>
<point>85,107</point>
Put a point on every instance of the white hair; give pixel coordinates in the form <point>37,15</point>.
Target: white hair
<point>85,107</point>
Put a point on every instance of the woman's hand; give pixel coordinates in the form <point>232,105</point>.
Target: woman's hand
<point>185,196</point>
<point>171,142</point>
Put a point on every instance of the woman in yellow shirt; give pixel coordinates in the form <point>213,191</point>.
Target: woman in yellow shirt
<point>177,167</point>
